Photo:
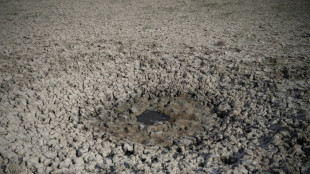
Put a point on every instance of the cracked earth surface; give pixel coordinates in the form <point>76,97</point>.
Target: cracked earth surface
<point>233,76</point>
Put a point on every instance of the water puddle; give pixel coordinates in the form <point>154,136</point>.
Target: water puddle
<point>152,117</point>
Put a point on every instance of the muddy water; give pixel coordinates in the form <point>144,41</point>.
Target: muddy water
<point>152,117</point>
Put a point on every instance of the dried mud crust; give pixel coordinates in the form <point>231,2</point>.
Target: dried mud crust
<point>74,76</point>
<point>236,111</point>
<point>181,90</point>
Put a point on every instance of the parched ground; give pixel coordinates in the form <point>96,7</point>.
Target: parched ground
<point>233,75</point>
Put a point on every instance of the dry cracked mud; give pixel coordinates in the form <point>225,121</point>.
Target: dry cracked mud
<point>232,75</point>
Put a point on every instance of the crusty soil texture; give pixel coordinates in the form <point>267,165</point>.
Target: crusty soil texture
<point>233,75</point>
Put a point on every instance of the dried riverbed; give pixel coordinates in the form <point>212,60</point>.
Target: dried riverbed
<point>232,75</point>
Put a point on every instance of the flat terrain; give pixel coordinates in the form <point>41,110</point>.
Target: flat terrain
<point>233,75</point>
